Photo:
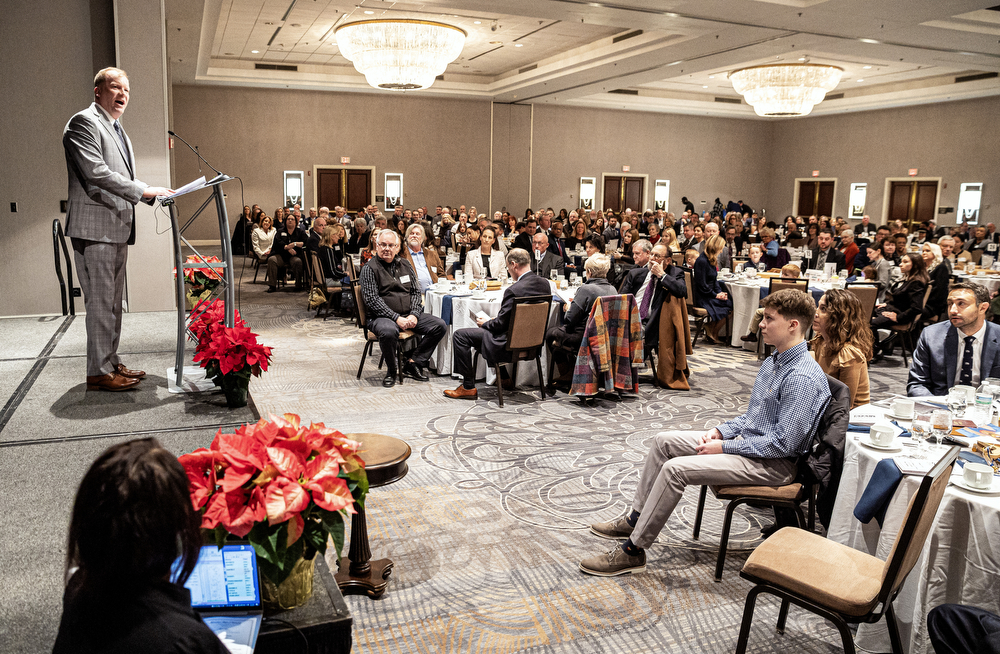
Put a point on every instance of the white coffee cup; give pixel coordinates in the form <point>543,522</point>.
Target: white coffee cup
<point>882,434</point>
<point>978,475</point>
<point>970,392</point>
<point>902,408</point>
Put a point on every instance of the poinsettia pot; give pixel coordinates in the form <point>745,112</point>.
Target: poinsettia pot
<point>236,387</point>
<point>294,591</point>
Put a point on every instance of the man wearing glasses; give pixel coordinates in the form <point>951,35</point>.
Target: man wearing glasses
<point>393,300</point>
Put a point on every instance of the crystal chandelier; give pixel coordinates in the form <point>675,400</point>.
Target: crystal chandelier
<point>400,54</point>
<point>785,89</point>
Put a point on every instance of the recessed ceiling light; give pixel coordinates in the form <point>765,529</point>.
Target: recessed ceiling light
<point>255,52</point>
<point>868,41</point>
<point>711,77</point>
<point>674,63</point>
<point>369,12</point>
<point>477,22</point>
<point>705,87</point>
<point>518,45</point>
<point>860,80</point>
<point>867,67</point>
<point>802,58</point>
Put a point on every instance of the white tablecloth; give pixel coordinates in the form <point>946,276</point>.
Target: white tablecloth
<point>992,282</point>
<point>441,359</point>
<point>746,299</point>
<point>960,561</point>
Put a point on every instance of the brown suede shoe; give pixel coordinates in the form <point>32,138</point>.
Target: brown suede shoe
<point>110,382</point>
<point>131,374</point>
<point>462,393</point>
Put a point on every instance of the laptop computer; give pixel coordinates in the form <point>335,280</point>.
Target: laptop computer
<point>225,590</point>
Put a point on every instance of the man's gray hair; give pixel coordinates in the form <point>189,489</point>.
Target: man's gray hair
<point>597,266</point>
<point>518,257</point>
<point>391,232</point>
<point>646,246</point>
<point>414,227</point>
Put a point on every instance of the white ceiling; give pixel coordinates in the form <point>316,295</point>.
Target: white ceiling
<point>675,58</point>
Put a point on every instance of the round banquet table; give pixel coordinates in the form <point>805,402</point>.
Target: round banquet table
<point>462,308</point>
<point>991,282</point>
<point>959,563</point>
<point>746,295</point>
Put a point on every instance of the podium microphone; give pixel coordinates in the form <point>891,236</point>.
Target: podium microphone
<point>198,154</point>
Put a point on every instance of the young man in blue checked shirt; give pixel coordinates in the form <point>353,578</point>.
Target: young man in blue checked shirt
<point>759,447</point>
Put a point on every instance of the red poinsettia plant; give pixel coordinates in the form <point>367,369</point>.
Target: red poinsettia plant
<point>283,486</point>
<point>225,350</point>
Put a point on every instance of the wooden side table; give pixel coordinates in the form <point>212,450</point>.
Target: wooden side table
<point>385,462</point>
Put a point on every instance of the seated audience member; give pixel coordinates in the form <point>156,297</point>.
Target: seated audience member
<point>570,333</point>
<point>394,302</point>
<point>663,280</point>
<point>940,278</point>
<point>623,253</point>
<point>361,237</point>
<point>947,245</point>
<point>889,251</point>
<point>424,260</point>
<point>960,629</point>
<point>708,292</point>
<point>262,237</point>
<point>788,271</point>
<point>132,519</point>
<point>774,256</point>
<point>759,447</point>
<point>286,253</point>
<point>542,261</point>
<point>669,238</point>
<point>725,257</point>
<point>965,349</point>
<point>315,234</point>
<point>843,343</point>
<point>906,304</point>
<point>331,255</point>
<point>487,261</point>
<point>690,256</point>
<point>490,338</point>
<point>848,249</point>
<point>756,253</point>
<point>865,230</point>
<point>654,233</point>
<point>980,241</point>
<point>882,269</point>
<point>825,252</point>
<point>524,239</point>
<point>635,281</point>
<point>577,237</point>
<point>812,235</point>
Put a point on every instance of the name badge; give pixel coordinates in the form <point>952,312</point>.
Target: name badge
<point>434,269</point>
<point>337,248</point>
<point>992,247</point>
<point>404,279</point>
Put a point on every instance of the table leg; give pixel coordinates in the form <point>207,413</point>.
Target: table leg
<point>358,574</point>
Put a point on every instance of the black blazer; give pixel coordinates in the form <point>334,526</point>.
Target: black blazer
<point>907,300</point>
<point>937,301</point>
<point>832,256</point>
<point>495,338</point>
<point>670,284</point>
<point>523,241</point>
<point>634,280</point>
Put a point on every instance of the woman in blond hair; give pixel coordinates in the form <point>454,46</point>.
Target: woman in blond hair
<point>708,292</point>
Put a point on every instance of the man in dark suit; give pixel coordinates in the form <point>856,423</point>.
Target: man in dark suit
<point>100,220</point>
<point>523,240</point>
<point>826,253</point>
<point>544,262</point>
<point>666,280</point>
<point>963,350</point>
<point>638,281</point>
<point>491,336</point>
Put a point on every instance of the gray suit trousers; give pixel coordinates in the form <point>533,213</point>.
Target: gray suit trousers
<point>100,267</point>
<point>673,463</point>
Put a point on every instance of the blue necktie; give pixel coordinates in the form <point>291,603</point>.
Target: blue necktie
<point>965,377</point>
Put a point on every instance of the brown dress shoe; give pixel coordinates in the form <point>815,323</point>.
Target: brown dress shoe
<point>131,374</point>
<point>462,393</point>
<point>110,382</point>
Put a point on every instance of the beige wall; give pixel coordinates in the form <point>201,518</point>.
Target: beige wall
<point>956,141</point>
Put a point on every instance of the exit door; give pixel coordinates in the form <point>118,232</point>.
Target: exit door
<point>350,188</point>
<point>622,193</point>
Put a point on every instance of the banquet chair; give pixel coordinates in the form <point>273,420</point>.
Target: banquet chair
<point>318,280</point>
<point>256,265</point>
<point>700,315</point>
<point>525,338</point>
<point>678,258</point>
<point>867,293</point>
<point>831,432</point>
<point>406,336</point>
<point>612,349</point>
<point>778,284</point>
<point>907,331</point>
<point>837,582</point>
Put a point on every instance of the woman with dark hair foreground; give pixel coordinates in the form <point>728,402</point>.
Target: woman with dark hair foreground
<point>132,519</point>
<point>843,342</point>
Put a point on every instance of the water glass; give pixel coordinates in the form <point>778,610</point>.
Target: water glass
<point>554,275</point>
<point>940,424</point>
<point>459,277</point>
<point>920,429</point>
<point>957,401</point>
<point>572,279</point>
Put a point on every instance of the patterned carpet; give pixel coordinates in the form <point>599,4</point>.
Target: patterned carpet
<point>488,528</point>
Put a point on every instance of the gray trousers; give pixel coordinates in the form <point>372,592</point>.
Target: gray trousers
<point>100,267</point>
<point>673,463</point>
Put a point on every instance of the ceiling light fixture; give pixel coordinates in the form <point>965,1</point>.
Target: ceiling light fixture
<point>785,89</point>
<point>477,22</point>
<point>255,52</point>
<point>518,45</point>
<point>400,54</point>
<point>867,67</point>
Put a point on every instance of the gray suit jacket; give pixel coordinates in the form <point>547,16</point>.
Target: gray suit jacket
<point>544,267</point>
<point>103,190</point>
<point>935,359</point>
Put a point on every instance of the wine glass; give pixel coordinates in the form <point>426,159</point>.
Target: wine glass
<point>957,401</point>
<point>920,428</point>
<point>554,275</point>
<point>940,424</point>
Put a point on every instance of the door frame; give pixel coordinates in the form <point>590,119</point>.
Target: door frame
<point>795,194</point>
<point>888,185</point>
<point>315,176</point>
<point>645,188</point>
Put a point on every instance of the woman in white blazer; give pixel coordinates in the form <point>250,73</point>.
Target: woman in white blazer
<point>474,264</point>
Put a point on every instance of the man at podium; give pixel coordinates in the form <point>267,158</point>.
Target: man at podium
<point>100,220</point>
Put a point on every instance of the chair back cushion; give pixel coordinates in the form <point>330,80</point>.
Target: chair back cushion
<point>359,302</point>
<point>528,325</point>
<point>867,294</point>
<point>776,284</point>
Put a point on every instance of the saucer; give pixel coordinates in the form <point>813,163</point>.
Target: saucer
<point>896,446</point>
<point>889,414</point>
<point>992,490</point>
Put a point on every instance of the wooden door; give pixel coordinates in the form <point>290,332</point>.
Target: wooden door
<point>328,187</point>
<point>622,193</point>
<point>345,187</point>
<point>912,202</point>
<point>815,198</point>
<point>612,194</point>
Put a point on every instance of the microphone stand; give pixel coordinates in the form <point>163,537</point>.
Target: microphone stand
<point>221,177</point>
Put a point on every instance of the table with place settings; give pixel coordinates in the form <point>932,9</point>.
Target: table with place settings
<point>746,293</point>
<point>960,560</point>
<point>456,305</point>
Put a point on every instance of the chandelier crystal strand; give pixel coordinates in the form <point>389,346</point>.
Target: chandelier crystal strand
<point>785,89</point>
<point>400,54</point>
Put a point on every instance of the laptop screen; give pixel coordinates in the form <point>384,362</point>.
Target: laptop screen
<point>226,578</point>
